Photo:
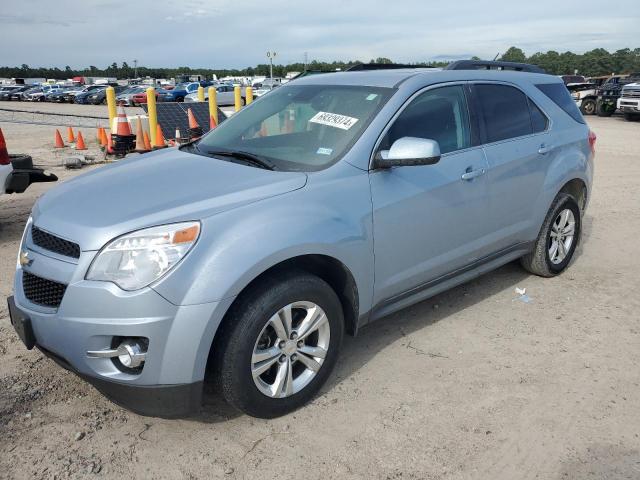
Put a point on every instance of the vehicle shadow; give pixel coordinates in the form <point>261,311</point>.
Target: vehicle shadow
<point>372,339</point>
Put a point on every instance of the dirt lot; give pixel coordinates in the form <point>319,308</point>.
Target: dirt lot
<point>474,383</point>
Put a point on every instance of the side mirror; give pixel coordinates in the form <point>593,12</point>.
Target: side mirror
<point>409,151</point>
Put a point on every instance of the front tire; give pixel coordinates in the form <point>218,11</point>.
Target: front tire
<point>557,240</point>
<point>588,106</point>
<point>279,344</point>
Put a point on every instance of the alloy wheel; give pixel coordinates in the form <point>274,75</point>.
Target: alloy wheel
<point>290,349</point>
<point>561,236</point>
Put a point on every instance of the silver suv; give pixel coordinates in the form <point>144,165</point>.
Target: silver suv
<point>329,203</point>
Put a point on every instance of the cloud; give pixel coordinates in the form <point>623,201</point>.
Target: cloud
<point>228,34</point>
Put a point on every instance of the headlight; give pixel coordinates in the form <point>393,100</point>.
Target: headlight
<point>137,259</point>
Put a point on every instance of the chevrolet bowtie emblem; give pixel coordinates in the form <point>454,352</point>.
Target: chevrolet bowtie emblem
<point>25,261</point>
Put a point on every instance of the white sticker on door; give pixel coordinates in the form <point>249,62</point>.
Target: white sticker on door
<point>334,120</point>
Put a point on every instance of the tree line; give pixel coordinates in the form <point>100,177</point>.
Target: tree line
<point>592,63</point>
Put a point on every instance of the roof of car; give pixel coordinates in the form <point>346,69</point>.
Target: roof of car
<point>393,78</point>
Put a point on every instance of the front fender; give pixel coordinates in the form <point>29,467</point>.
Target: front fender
<point>330,216</point>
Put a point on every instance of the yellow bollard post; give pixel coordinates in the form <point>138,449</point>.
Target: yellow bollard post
<point>237,95</point>
<point>111,105</point>
<point>249,94</point>
<point>213,103</point>
<point>153,114</point>
<point>201,94</point>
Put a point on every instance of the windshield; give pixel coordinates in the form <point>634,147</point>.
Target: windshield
<point>299,127</point>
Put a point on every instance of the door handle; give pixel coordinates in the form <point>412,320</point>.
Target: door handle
<point>544,149</point>
<point>470,175</point>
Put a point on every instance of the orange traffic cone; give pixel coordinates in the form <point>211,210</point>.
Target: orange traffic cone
<point>194,128</point>
<point>159,138</point>
<point>70,136</point>
<point>58,140</point>
<point>212,122</point>
<point>103,138</point>
<point>123,127</point>
<point>4,154</point>
<point>80,143</point>
<point>147,142</point>
<point>109,147</point>
<point>140,146</point>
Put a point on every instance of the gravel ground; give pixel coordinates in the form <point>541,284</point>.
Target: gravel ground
<point>473,383</point>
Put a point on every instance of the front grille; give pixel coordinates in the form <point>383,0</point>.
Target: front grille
<point>631,94</point>
<point>42,291</point>
<point>54,244</point>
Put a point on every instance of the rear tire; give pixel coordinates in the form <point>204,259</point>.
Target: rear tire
<point>603,110</point>
<point>544,260</point>
<point>248,337</point>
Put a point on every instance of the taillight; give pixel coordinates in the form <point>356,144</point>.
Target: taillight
<point>592,141</point>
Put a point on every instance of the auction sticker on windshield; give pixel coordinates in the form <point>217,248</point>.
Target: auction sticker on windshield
<point>334,120</point>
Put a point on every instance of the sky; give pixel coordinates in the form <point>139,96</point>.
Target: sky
<point>236,34</point>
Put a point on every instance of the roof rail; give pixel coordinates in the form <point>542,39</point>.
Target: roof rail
<point>493,65</point>
<point>381,66</point>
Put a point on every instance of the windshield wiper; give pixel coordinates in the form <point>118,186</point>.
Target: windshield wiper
<point>246,156</point>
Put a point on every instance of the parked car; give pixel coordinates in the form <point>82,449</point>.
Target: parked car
<point>85,97</point>
<point>225,95</point>
<point>609,93</point>
<point>87,89</point>
<point>125,97</point>
<point>585,95</point>
<point>61,95</point>
<point>181,90</point>
<point>17,94</point>
<point>140,98</point>
<point>249,253</point>
<point>629,101</point>
<point>99,96</point>
<point>39,94</point>
<point>6,91</point>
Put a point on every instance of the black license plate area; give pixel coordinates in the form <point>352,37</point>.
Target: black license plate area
<point>21,324</point>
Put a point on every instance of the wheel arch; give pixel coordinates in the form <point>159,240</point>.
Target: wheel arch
<point>328,268</point>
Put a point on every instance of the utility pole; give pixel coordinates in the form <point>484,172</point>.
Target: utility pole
<point>271,56</point>
<point>135,69</point>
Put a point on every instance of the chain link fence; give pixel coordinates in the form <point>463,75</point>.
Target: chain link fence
<point>48,118</point>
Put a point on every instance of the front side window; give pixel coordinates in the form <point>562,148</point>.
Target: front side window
<point>299,127</point>
<point>505,111</point>
<point>440,114</point>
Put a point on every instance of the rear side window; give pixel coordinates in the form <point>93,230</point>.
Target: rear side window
<point>505,111</point>
<point>561,97</point>
<point>539,120</point>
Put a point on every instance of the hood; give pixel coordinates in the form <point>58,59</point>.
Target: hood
<point>153,189</point>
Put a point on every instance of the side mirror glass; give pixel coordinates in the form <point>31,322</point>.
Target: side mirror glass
<point>409,151</point>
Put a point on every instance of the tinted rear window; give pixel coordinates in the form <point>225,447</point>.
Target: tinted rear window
<point>505,111</point>
<point>561,97</point>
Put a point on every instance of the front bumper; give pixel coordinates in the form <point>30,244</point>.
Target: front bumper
<point>629,105</point>
<point>93,314</point>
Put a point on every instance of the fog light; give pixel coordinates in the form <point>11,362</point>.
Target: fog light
<point>130,353</point>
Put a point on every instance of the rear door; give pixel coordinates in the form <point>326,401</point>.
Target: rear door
<point>429,220</point>
<point>516,140</point>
